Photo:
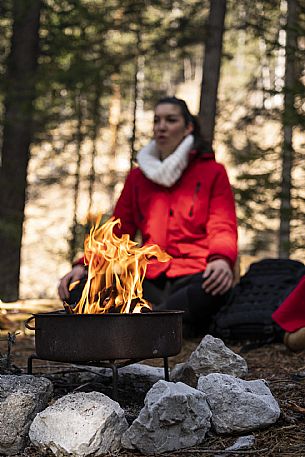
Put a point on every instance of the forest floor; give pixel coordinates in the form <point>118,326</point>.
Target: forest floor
<point>283,370</point>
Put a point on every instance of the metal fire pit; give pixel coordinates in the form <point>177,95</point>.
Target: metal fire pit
<point>93,337</point>
<point>116,339</point>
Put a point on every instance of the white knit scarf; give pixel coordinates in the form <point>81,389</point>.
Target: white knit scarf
<point>169,170</point>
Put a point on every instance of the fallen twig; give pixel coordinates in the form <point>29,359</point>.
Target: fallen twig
<point>286,427</point>
<point>6,364</point>
<point>82,386</point>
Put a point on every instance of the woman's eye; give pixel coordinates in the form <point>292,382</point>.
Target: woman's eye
<point>168,119</point>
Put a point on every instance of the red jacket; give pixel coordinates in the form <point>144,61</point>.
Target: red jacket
<point>291,314</point>
<point>192,221</point>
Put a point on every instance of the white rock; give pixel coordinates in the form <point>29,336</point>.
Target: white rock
<point>139,375</point>
<point>174,416</point>
<point>238,405</point>
<point>21,398</point>
<point>210,356</point>
<point>243,442</point>
<point>78,425</point>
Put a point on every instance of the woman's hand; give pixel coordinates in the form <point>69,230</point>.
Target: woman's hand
<point>218,277</point>
<point>78,272</point>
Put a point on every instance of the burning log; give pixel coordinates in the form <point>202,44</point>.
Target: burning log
<point>107,295</point>
<point>144,308</point>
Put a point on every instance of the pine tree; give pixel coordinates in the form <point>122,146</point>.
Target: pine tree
<point>17,137</point>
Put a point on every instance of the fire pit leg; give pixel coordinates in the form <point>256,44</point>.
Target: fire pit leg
<point>30,363</point>
<point>166,373</point>
<point>114,369</point>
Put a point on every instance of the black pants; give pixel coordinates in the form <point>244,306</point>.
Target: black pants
<point>186,294</point>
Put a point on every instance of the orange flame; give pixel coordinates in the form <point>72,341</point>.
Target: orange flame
<point>116,269</point>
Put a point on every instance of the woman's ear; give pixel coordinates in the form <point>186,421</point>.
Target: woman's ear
<point>189,129</point>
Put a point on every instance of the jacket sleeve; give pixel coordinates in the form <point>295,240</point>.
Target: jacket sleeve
<point>124,210</point>
<point>222,224</point>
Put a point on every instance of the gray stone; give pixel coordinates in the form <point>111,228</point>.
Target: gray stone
<point>138,375</point>
<point>79,424</point>
<point>21,398</point>
<point>210,356</point>
<point>174,416</point>
<point>242,443</point>
<point>238,405</point>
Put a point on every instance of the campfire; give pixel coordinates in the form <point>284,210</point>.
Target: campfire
<point>109,326</point>
<point>116,269</point>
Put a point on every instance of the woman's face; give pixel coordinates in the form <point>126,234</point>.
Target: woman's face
<point>169,128</point>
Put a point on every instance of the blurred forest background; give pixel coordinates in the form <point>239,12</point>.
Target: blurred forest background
<point>78,83</point>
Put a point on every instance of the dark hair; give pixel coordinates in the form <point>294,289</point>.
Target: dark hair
<point>199,142</point>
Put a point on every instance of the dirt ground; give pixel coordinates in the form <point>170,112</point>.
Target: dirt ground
<point>281,368</point>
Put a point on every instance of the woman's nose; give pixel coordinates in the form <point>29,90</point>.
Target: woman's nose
<point>162,124</point>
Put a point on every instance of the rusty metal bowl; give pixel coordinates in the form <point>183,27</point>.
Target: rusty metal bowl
<point>95,337</point>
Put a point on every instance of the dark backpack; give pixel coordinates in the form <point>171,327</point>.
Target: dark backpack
<point>247,316</point>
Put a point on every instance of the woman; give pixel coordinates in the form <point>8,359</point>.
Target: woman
<point>180,199</point>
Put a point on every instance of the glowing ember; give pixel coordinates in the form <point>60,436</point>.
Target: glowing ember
<point>116,269</point>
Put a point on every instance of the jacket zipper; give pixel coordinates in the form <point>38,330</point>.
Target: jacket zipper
<point>138,205</point>
<point>195,195</point>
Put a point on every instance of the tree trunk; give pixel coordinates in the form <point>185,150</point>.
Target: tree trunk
<point>17,137</point>
<point>211,68</point>
<point>288,123</point>
<point>138,95</point>
<point>95,131</point>
<point>114,116</point>
<point>78,144</point>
